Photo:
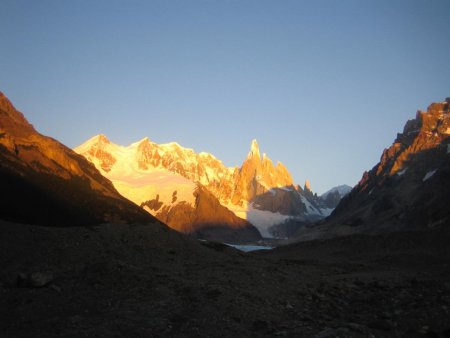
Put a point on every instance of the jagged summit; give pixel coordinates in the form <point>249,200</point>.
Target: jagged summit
<point>103,138</point>
<point>254,150</point>
<point>143,140</point>
<point>307,186</point>
<point>146,169</point>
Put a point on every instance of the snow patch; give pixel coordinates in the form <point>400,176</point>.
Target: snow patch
<point>310,209</point>
<point>139,189</point>
<point>428,175</point>
<point>326,211</point>
<point>136,184</point>
<point>401,172</point>
<point>248,248</point>
<point>342,189</point>
<point>262,220</point>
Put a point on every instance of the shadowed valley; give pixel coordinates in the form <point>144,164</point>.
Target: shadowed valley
<point>80,260</point>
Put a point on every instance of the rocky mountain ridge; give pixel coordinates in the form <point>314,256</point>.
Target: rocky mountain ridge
<point>162,180</point>
<point>47,183</point>
<point>254,191</point>
<point>408,189</point>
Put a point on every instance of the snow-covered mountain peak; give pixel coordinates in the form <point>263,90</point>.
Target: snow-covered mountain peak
<point>152,173</point>
<point>172,145</point>
<point>144,140</point>
<point>100,138</point>
<point>207,155</point>
<point>142,143</point>
<point>95,141</point>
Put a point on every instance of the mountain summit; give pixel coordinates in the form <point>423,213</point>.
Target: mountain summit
<point>254,150</point>
<point>257,176</point>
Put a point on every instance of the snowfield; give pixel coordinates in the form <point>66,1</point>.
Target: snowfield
<point>428,175</point>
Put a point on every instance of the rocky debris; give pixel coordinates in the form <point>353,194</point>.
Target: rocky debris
<point>332,333</point>
<point>143,281</point>
<point>36,279</point>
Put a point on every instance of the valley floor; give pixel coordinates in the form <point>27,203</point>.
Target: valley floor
<point>148,281</point>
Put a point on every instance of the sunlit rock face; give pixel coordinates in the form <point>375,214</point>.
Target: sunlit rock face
<point>257,176</point>
<point>149,174</point>
<point>47,183</point>
<point>410,186</point>
<point>169,181</point>
<point>204,218</point>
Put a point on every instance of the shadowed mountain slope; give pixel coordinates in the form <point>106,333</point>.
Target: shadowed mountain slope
<point>45,182</point>
<point>408,189</point>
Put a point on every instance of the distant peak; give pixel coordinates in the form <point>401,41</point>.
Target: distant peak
<point>254,150</point>
<point>144,140</point>
<point>255,145</point>
<point>141,142</point>
<point>307,185</point>
<point>100,138</point>
<point>97,141</point>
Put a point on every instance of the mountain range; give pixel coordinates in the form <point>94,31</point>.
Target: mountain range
<point>91,262</point>
<point>195,193</point>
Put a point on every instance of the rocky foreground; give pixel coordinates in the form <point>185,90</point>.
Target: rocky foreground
<point>148,281</point>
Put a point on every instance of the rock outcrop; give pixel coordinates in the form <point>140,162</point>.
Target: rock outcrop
<point>257,176</point>
<point>207,219</point>
<point>331,198</point>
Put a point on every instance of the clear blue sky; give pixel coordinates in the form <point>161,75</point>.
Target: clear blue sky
<point>324,86</point>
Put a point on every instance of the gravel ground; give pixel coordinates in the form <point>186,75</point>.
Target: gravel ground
<point>148,281</point>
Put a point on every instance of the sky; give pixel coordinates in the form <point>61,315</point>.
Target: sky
<point>324,86</point>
